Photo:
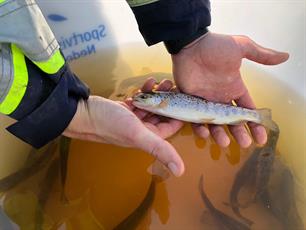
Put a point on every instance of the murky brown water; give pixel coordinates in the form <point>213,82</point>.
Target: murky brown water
<point>105,184</point>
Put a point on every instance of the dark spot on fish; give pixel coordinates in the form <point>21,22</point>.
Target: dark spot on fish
<point>235,110</point>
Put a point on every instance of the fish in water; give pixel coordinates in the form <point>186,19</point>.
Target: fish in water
<point>45,190</point>
<point>279,197</point>
<point>64,147</point>
<point>132,221</point>
<point>223,221</point>
<point>255,171</point>
<point>198,110</point>
<point>29,170</point>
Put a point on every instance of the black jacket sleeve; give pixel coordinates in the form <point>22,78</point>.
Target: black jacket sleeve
<point>175,22</point>
<point>48,106</point>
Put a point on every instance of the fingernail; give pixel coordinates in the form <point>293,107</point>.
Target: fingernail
<point>225,142</point>
<point>173,168</point>
<point>247,141</point>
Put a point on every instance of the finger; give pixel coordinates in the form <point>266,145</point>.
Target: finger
<point>219,135</point>
<point>258,131</point>
<point>200,130</point>
<point>259,54</point>
<point>141,114</point>
<point>167,129</point>
<point>165,85</point>
<point>128,103</point>
<point>154,119</point>
<point>162,150</point>
<point>174,89</point>
<point>241,135</point>
<point>148,85</point>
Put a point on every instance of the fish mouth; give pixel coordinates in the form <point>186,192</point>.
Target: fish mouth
<point>139,103</point>
<point>136,99</point>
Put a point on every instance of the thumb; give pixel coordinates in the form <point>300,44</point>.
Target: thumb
<point>162,150</point>
<point>259,54</point>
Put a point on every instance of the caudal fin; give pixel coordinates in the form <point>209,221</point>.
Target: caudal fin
<point>266,119</point>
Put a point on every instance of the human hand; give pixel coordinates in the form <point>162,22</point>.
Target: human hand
<point>120,123</point>
<point>210,68</point>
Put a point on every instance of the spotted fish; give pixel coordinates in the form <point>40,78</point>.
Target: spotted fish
<point>223,221</point>
<point>198,110</point>
<point>255,172</point>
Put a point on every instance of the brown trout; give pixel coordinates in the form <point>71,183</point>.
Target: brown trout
<point>198,110</point>
<point>223,221</point>
<point>279,196</point>
<point>132,221</point>
<point>255,172</point>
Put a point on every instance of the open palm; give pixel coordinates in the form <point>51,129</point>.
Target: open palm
<point>210,68</point>
<point>120,123</point>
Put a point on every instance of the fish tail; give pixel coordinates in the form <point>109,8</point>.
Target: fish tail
<point>265,117</point>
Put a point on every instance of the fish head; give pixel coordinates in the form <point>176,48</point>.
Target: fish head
<point>146,100</point>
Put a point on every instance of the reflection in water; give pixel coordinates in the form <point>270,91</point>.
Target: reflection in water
<point>233,156</point>
<point>215,152</point>
<point>199,142</point>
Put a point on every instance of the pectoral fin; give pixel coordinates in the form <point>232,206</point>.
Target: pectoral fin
<point>163,104</point>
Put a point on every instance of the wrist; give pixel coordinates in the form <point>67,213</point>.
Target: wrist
<point>175,46</point>
<point>196,41</point>
<point>81,122</point>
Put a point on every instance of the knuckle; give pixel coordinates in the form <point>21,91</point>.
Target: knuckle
<point>216,130</point>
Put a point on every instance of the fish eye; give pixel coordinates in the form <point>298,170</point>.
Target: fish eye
<point>143,96</point>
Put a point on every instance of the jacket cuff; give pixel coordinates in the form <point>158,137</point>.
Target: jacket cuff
<point>175,22</point>
<point>52,116</point>
<point>175,46</point>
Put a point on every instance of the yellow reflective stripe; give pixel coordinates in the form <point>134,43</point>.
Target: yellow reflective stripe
<point>53,65</point>
<point>1,1</point>
<point>134,3</point>
<point>19,85</point>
